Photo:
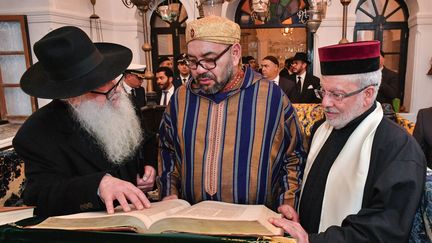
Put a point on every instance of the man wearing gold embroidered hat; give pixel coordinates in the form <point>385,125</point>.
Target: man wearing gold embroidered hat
<point>364,174</point>
<point>228,135</point>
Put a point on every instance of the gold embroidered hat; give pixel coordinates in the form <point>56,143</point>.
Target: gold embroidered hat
<point>213,29</point>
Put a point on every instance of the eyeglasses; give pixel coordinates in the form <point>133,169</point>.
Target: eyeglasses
<point>110,93</point>
<point>320,93</point>
<point>206,63</point>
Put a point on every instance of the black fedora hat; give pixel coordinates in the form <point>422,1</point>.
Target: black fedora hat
<point>70,64</point>
<point>301,56</point>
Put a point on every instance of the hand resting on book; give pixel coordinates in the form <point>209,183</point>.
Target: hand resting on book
<point>111,188</point>
<point>290,223</point>
<point>176,215</point>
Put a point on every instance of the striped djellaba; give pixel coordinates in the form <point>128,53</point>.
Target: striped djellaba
<point>242,146</point>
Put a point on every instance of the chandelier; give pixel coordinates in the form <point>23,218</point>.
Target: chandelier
<point>313,16</point>
<point>287,31</point>
<point>95,24</point>
<point>210,7</point>
<point>142,5</point>
<point>169,12</point>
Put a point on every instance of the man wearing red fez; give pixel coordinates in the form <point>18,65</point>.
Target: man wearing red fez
<point>364,174</point>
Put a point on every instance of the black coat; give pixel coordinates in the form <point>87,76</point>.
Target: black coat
<point>391,195</point>
<point>63,164</point>
<point>389,88</point>
<point>284,73</point>
<point>177,81</point>
<point>287,86</point>
<point>307,94</point>
<point>423,132</point>
<point>138,98</point>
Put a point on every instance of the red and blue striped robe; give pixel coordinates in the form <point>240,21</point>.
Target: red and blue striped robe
<point>244,146</point>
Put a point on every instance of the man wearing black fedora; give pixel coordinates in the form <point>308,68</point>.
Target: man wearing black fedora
<point>305,82</point>
<point>80,150</point>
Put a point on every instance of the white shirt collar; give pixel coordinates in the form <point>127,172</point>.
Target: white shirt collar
<point>127,88</point>
<point>276,80</point>
<point>171,90</point>
<point>303,76</point>
<point>183,77</point>
<point>168,94</point>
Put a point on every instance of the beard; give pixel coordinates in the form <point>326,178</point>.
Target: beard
<point>218,85</point>
<point>344,118</point>
<point>116,129</point>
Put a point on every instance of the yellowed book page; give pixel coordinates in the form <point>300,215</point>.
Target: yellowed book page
<point>13,214</point>
<point>8,209</point>
<point>219,218</point>
<point>136,220</point>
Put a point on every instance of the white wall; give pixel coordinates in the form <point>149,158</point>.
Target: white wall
<point>119,24</point>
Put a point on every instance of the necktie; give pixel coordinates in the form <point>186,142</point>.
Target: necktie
<point>139,96</point>
<point>298,84</point>
<point>165,94</point>
<point>133,92</point>
<point>184,81</point>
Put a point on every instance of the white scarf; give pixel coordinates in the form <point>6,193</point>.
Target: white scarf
<point>343,193</point>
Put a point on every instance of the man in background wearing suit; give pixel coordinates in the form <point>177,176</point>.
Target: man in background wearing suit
<point>389,88</point>
<point>305,83</point>
<point>165,61</point>
<point>423,133</point>
<point>184,71</point>
<point>287,70</point>
<point>164,79</point>
<point>132,83</point>
<point>270,71</point>
<point>250,60</point>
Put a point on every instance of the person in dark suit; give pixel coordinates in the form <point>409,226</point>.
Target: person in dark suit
<point>251,62</point>
<point>305,82</point>
<point>164,79</point>
<point>270,71</point>
<point>423,133</point>
<point>389,88</point>
<point>80,150</point>
<point>165,61</point>
<point>133,79</point>
<point>287,70</point>
<point>184,71</point>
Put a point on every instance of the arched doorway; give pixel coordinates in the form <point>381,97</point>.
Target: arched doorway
<point>386,21</point>
<point>281,36</point>
<point>168,38</point>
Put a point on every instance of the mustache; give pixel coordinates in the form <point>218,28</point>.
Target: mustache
<point>330,110</point>
<point>206,75</point>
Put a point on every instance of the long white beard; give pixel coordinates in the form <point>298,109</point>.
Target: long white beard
<point>116,129</point>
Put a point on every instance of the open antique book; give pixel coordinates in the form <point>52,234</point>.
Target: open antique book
<point>13,214</point>
<point>207,217</point>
